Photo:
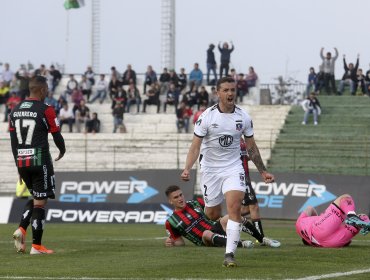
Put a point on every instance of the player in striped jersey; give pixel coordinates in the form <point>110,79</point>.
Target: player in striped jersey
<point>189,221</point>
<point>29,124</point>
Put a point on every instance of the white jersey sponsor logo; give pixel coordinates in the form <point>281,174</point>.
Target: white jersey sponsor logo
<point>221,134</point>
<point>26,152</point>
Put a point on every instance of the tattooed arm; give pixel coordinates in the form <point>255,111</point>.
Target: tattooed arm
<point>255,156</point>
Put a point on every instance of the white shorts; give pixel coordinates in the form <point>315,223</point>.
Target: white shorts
<point>215,184</point>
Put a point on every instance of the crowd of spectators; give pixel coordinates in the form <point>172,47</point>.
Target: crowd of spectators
<point>185,92</point>
<point>324,80</point>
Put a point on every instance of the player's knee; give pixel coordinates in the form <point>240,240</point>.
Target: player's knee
<point>39,202</point>
<point>244,210</point>
<point>340,198</point>
<point>213,213</point>
<point>207,237</point>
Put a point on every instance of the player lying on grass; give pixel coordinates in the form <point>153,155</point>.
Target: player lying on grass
<point>189,221</point>
<point>328,229</point>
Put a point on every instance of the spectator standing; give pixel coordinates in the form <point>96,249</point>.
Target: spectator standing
<point>311,81</point>
<point>118,113</point>
<point>183,79</point>
<point>113,88</point>
<point>121,96</point>
<point>328,67</point>
<point>129,76</point>
<point>93,125</point>
<point>66,117</point>
<point>7,74</point>
<point>349,77</point>
<point>41,71</point>
<point>211,64</point>
<point>196,76</point>
<point>114,72</point>
<point>311,106</point>
<point>23,78</point>
<point>57,77</point>
<point>101,90</point>
<point>225,57</point>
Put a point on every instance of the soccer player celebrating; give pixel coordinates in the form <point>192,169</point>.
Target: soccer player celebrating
<point>216,139</point>
<point>328,229</point>
<point>30,122</point>
<point>189,220</point>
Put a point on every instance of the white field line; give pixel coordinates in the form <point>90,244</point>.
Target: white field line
<point>97,278</point>
<point>316,277</point>
<point>333,275</point>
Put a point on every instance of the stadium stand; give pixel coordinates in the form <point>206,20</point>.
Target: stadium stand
<point>151,142</point>
<point>338,145</point>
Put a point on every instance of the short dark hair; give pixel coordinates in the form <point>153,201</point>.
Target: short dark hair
<point>171,189</point>
<point>224,80</point>
<point>37,82</point>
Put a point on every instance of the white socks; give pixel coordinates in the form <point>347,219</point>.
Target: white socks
<point>233,230</point>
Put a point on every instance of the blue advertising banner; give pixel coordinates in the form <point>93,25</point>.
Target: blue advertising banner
<point>128,187</point>
<point>84,212</point>
<point>292,193</point>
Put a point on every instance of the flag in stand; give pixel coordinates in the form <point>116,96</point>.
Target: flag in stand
<point>73,4</point>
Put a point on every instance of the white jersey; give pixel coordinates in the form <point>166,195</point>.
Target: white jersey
<point>221,134</point>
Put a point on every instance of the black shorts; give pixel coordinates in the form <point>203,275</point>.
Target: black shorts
<point>217,228</point>
<point>40,180</point>
<point>250,196</point>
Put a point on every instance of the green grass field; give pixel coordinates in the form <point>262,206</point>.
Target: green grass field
<point>105,251</point>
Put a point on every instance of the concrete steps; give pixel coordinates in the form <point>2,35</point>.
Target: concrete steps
<point>151,141</point>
